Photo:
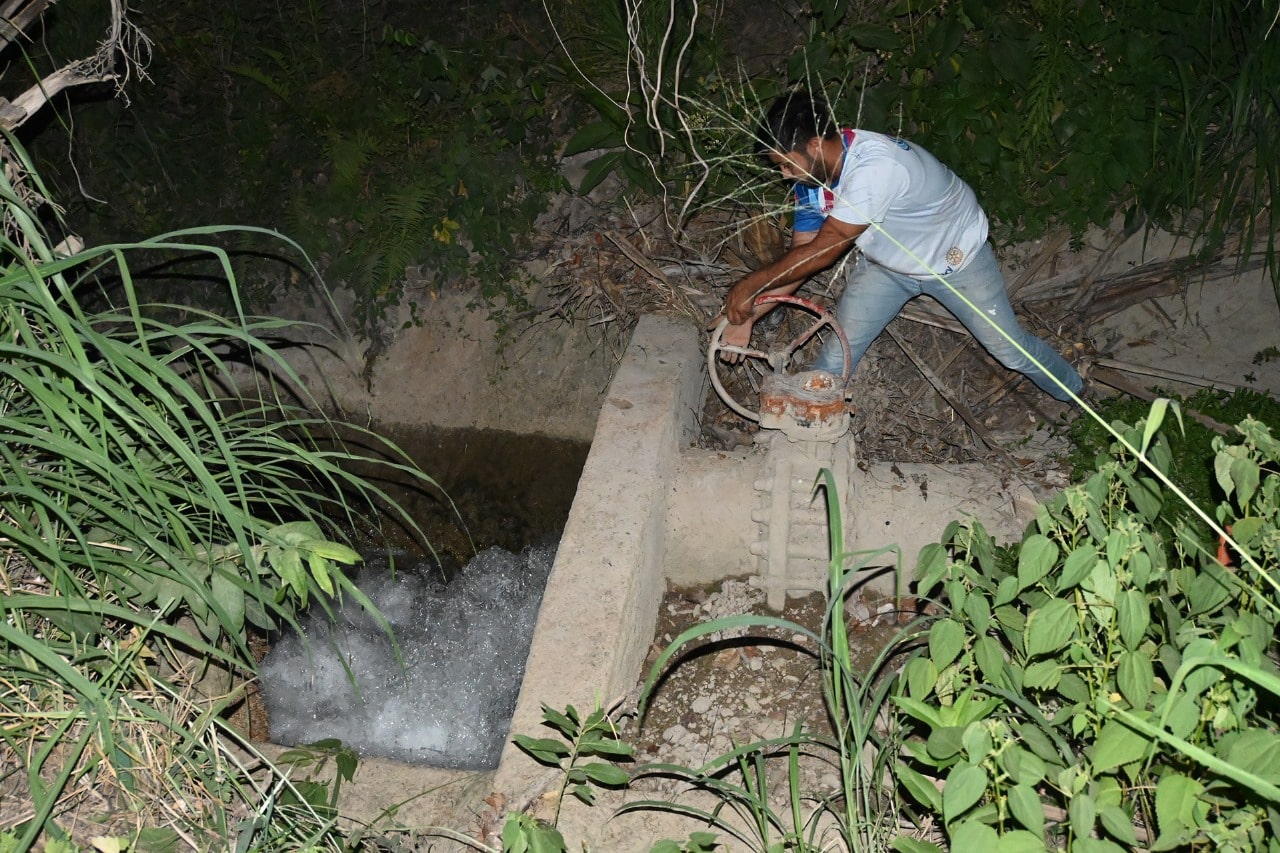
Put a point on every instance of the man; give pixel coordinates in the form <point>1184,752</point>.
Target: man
<point>919,230</point>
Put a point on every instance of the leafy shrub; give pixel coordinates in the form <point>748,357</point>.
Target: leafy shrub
<point>1190,446</point>
<point>1093,695</point>
<point>1064,112</point>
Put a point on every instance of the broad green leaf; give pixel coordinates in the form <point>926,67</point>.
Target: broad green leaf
<point>1006,592</point>
<point>1135,678</point>
<point>599,134</point>
<point>1035,559</point>
<point>1039,743</point>
<point>1073,687</point>
<point>973,835</point>
<point>978,609</point>
<point>1245,529</point>
<point>1026,808</point>
<point>335,551</point>
<point>1155,418</point>
<point>289,565</point>
<point>921,788</point>
<point>1023,766</point>
<point>967,709</point>
<point>989,657</point>
<point>1010,618</point>
<point>1020,841</point>
<point>606,747</point>
<point>1050,627</point>
<point>1096,845</point>
<point>1244,473</point>
<point>920,675</point>
<point>965,785</point>
<point>1117,745</point>
<point>1133,616</point>
<point>1178,804</point>
<point>930,567</point>
<point>606,774</point>
<point>230,598</point>
<point>1078,565</point>
<point>875,37</point>
<point>977,743</point>
<point>320,571</point>
<point>598,170</point>
<point>921,711</point>
<point>1209,590</point>
<point>1082,812</point>
<point>946,641</point>
<point>1042,675</point>
<point>1118,824</point>
<point>543,749</point>
<point>1116,546</point>
<point>1140,568</point>
<point>1256,751</point>
<point>907,844</point>
<point>945,742</point>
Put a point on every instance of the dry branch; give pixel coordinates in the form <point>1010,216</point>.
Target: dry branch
<point>122,52</point>
<point>1117,380</point>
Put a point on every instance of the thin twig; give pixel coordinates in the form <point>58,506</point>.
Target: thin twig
<point>953,400</point>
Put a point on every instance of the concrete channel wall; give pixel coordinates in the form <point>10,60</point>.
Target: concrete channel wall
<point>601,602</point>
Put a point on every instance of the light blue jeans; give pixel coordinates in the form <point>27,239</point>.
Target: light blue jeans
<point>874,295</point>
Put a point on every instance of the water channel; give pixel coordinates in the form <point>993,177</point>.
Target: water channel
<point>443,693</point>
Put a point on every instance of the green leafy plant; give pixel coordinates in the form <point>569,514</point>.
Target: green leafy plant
<point>594,736</point>
<point>1190,447</point>
<point>577,738</point>
<point>1082,690</point>
<point>157,502</point>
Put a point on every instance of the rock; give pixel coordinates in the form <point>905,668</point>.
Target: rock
<point>675,734</point>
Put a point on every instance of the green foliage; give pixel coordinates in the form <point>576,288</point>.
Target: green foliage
<point>376,147</point>
<point>1190,446</point>
<point>1082,687</point>
<point>592,737</point>
<point>320,796</point>
<point>1060,113</point>
<point>1063,112</point>
<point>151,514</point>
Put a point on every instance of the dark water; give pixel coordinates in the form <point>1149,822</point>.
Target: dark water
<point>507,490</point>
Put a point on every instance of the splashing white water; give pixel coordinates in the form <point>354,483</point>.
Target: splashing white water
<point>463,647</point>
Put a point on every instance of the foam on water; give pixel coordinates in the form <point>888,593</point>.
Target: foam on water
<point>463,647</point>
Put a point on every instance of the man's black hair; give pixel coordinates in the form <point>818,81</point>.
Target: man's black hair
<point>793,120</point>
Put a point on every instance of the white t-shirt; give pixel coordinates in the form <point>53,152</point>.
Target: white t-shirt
<point>905,196</point>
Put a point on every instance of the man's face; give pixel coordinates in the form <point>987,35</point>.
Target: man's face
<point>802,165</point>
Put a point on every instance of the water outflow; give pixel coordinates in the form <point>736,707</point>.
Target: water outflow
<point>463,645</point>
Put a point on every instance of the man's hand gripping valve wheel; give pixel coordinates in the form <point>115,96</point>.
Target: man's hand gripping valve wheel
<point>736,348</point>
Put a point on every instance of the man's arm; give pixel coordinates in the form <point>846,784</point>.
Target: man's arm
<point>810,252</point>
